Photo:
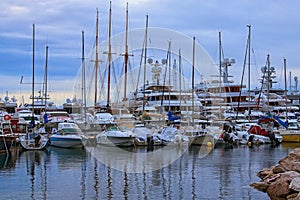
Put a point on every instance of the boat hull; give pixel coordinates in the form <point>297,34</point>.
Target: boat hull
<point>66,142</point>
<point>29,144</point>
<point>115,141</point>
<point>290,136</point>
<point>6,142</point>
<point>208,140</point>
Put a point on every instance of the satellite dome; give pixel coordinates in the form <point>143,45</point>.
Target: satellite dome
<point>150,60</point>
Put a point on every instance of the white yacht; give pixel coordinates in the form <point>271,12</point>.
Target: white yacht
<point>162,96</point>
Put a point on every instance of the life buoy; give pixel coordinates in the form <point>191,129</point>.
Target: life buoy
<point>6,117</point>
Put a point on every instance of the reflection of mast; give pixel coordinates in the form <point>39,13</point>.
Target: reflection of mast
<point>109,192</point>
<point>125,191</point>
<point>96,177</point>
<point>83,180</point>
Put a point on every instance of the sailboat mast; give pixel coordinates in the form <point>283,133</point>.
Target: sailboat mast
<point>46,77</point>
<point>32,92</point>
<point>83,78</point>
<point>169,52</point>
<point>193,80</point>
<point>126,54</point>
<point>285,88</point>
<point>97,60</point>
<point>109,58</point>
<point>220,57</point>
<point>249,27</point>
<point>145,59</point>
<point>268,83</point>
<point>179,63</point>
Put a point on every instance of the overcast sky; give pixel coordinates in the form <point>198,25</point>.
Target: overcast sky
<point>274,30</point>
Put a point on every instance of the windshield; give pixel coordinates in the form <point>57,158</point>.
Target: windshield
<point>71,131</point>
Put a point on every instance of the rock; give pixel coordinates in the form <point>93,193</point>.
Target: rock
<point>290,165</point>
<point>294,196</point>
<point>296,151</point>
<point>272,178</point>
<point>288,176</point>
<point>261,186</point>
<point>282,181</point>
<point>278,189</point>
<point>295,184</point>
<point>264,173</point>
<point>278,169</point>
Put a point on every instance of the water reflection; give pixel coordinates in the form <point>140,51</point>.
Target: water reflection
<point>136,160</point>
<point>198,173</point>
<point>36,167</point>
<point>66,158</point>
<point>8,161</point>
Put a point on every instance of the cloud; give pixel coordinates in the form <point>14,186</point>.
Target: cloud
<point>59,25</point>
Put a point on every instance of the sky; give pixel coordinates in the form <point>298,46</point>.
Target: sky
<point>58,25</point>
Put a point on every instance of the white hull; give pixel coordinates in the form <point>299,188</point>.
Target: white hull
<point>30,144</point>
<point>66,141</point>
<point>258,139</point>
<point>122,141</point>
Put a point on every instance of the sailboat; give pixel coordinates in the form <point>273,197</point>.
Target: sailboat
<point>33,140</point>
<point>196,135</point>
<point>111,133</point>
<point>263,132</point>
<point>288,134</point>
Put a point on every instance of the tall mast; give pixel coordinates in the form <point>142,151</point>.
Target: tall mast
<point>285,88</point>
<point>109,57</point>
<point>126,55</point>
<point>46,77</point>
<point>268,83</point>
<point>179,65</point>
<point>170,64</point>
<point>193,80</point>
<point>145,59</point>
<point>290,78</point>
<point>220,57</point>
<point>32,92</point>
<point>83,78</point>
<point>249,27</point>
<point>220,67</point>
<point>97,60</point>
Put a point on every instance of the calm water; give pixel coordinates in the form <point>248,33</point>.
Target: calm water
<point>223,173</point>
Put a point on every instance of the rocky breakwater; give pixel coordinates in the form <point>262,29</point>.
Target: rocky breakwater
<point>281,181</point>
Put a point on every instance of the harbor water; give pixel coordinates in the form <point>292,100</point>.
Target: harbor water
<point>224,172</point>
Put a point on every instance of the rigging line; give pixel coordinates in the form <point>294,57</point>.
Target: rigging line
<point>115,79</point>
<point>164,83</point>
<point>261,88</point>
<point>130,69</point>
<point>103,80</point>
<point>139,74</point>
